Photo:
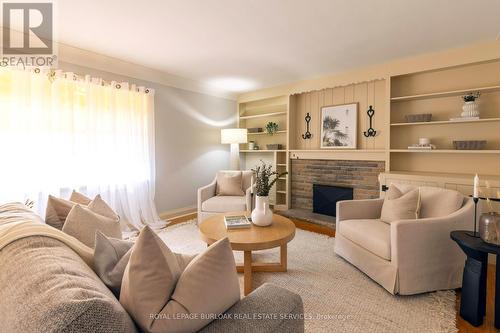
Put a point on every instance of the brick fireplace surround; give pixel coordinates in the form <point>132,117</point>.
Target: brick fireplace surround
<point>362,176</point>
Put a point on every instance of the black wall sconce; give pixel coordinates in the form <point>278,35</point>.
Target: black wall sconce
<point>370,131</point>
<point>307,134</point>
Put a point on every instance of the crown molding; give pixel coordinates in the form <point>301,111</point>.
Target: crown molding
<point>77,56</point>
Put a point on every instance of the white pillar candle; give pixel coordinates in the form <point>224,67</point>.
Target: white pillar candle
<point>476,186</point>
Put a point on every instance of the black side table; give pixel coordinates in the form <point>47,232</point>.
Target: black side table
<point>473,299</point>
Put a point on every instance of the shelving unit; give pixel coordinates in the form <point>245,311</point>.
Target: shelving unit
<point>438,92</point>
<point>257,114</point>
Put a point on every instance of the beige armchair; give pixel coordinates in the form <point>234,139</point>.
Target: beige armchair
<point>408,256</point>
<point>210,204</point>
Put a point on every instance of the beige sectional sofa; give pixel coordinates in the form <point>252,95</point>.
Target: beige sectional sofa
<point>47,287</point>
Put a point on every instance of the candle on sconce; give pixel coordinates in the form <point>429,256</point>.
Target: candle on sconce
<point>476,186</point>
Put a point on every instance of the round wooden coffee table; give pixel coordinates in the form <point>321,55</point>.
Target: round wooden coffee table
<point>278,234</point>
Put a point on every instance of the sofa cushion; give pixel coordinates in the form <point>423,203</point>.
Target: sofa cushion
<point>82,223</point>
<point>221,204</point>
<point>57,211</point>
<point>372,235</point>
<point>44,280</point>
<point>154,287</point>
<point>398,206</point>
<point>438,202</point>
<point>100,207</point>
<point>229,183</point>
<point>79,198</point>
<point>112,255</point>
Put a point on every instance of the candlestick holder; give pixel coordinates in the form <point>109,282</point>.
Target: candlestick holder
<point>474,233</point>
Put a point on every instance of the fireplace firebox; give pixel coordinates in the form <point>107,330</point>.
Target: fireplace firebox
<point>325,198</point>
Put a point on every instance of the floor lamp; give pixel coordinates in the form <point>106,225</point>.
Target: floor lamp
<point>234,136</point>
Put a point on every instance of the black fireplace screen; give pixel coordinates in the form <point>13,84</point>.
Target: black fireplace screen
<point>325,198</point>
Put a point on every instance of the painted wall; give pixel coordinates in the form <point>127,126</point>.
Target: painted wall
<point>188,149</point>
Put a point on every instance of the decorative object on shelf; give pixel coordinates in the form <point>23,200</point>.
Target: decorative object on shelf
<point>307,135</point>
<point>262,215</point>
<point>339,126</point>
<point>418,118</point>
<point>489,222</point>
<point>251,145</point>
<point>423,144</point>
<point>470,108</point>
<point>274,146</point>
<point>255,130</point>
<point>256,147</point>
<point>464,118</point>
<point>370,131</point>
<point>234,136</point>
<point>271,128</point>
<point>469,144</point>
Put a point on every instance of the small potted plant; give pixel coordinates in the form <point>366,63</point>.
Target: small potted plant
<point>262,215</point>
<point>271,128</point>
<point>470,107</point>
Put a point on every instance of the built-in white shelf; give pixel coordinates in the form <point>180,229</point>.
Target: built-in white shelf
<point>267,107</point>
<point>261,151</point>
<point>327,150</point>
<point>264,115</point>
<point>445,122</point>
<point>446,151</point>
<point>265,133</point>
<point>444,93</point>
<point>281,192</point>
<point>281,164</point>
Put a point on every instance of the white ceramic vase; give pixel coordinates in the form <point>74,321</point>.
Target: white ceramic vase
<point>470,109</point>
<point>262,216</point>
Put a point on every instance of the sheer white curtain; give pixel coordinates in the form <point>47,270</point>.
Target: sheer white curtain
<point>60,132</point>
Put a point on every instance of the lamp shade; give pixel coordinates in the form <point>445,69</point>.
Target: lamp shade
<point>233,135</point>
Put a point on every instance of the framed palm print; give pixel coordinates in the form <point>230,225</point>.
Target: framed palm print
<point>339,126</point>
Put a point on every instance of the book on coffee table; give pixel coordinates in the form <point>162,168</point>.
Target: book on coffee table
<point>237,222</point>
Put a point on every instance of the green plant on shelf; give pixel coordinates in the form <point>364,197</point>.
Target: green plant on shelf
<point>263,182</point>
<point>271,128</point>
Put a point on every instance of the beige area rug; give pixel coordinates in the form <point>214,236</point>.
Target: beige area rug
<point>337,297</point>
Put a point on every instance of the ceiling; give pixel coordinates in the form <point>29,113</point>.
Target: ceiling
<point>243,45</point>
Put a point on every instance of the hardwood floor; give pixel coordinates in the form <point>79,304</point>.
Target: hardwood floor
<point>462,325</point>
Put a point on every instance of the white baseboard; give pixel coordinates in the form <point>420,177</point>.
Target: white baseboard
<point>178,212</point>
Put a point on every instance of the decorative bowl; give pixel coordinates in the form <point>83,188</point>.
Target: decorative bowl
<point>469,144</point>
<point>417,118</point>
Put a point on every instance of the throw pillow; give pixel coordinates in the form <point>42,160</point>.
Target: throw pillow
<point>111,256</point>
<point>229,183</point>
<point>100,207</point>
<point>82,223</point>
<point>79,198</point>
<point>437,202</point>
<point>398,206</point>
<point>57,211</point>
<point>162,298</point>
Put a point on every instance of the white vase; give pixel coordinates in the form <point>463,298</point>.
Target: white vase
<point>262,216</point>
<point>470,109</point>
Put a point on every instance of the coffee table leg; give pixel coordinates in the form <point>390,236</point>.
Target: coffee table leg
<point>283,255</point>
<point>247,272</point>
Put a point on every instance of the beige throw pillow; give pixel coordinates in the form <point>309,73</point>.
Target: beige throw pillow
<point>100,207</point>
<point>161,298</point>
<point>57,211</point>
<point>398,206</point>
<point>437,202</point>
<point>229,183</point>
<point>82,223</point>
<point>111,256</point>
<point>79,198</point>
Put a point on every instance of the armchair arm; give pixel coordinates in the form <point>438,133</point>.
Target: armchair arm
<point>248,197</point>
<point>359,209</point>
<point>205,193</point>
<point>424,240</point>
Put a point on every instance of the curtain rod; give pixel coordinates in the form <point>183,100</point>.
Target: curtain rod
<point>52,74</point>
